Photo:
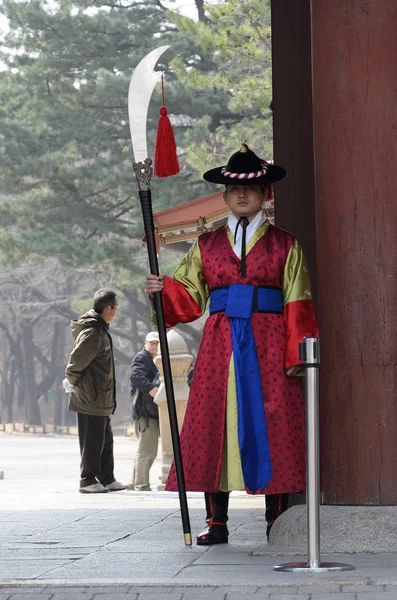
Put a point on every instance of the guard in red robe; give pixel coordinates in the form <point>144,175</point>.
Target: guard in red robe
<point>244,426</point>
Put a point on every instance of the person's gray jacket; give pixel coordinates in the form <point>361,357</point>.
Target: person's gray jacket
<point>144,377</point>
<point>91,367</point>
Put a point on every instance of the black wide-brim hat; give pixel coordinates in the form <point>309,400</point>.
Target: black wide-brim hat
<point>245,168</point>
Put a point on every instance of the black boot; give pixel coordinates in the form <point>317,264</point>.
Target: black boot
<point>276,504</point>
<point>216,531</point>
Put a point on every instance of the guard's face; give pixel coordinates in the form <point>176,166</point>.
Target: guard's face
<point>244,201</point>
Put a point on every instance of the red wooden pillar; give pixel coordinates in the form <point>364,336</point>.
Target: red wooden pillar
<point>355,140</point>
<point>293,123</point>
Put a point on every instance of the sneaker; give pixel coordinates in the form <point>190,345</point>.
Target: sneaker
<point>95,488</point>
<point>116,486</point>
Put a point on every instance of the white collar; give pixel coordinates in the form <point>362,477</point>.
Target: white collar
<point>252,227</point>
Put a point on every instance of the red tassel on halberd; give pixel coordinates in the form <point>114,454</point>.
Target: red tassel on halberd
<point>166,161</point>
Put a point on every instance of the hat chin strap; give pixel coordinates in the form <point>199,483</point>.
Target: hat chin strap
<point>243,222</point>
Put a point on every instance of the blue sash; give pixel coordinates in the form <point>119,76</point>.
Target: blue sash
<point>239,301</point>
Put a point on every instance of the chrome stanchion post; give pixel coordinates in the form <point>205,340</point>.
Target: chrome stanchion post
<point>309,352</point>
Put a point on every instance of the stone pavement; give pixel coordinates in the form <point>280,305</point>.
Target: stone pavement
<point>58,544</point>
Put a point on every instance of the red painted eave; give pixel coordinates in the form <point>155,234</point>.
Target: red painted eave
<point>186,221</point>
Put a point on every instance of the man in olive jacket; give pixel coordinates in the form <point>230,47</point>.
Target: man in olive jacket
<point>90,380</point>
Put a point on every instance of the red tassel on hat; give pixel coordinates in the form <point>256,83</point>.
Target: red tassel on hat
<point>166,161</point>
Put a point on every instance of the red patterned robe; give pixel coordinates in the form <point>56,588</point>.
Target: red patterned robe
<point>274,258</point>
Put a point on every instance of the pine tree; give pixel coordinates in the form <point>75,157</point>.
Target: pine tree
<point>237,35</point>
<point>65,154</point>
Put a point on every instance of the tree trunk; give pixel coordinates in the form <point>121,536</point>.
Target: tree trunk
<point>4,387</point>
<point>12,386</point>
<point>8,387</point>
<point>32,412</point>
<point>19,372</point>
<point>200,11</point>
<point>59,393</point>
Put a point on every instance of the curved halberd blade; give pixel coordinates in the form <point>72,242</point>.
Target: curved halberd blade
<point>140,91</point>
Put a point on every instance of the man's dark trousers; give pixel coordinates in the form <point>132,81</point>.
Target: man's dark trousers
<point>96,449</point>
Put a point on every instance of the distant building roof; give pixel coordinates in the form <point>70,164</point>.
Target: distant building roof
<point>186,221</point>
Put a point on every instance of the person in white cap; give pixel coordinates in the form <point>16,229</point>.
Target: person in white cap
<point>144,382</point>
